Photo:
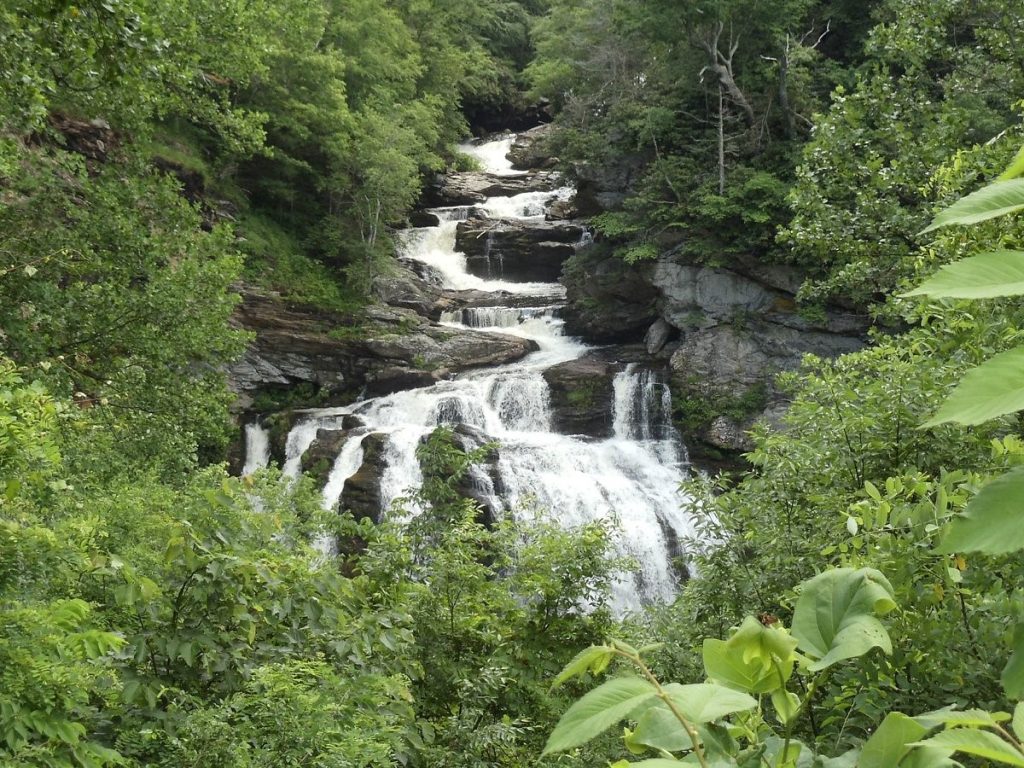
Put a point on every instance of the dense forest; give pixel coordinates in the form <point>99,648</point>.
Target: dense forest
<point>852,591</point>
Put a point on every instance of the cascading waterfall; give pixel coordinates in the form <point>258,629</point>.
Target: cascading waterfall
<point>632,477</point>
<point>257,448</point>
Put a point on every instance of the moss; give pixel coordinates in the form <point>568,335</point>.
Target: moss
<point>583,396</point>
<point>180,144</point>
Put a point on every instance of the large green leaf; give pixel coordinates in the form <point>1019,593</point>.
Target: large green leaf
<point>836,615</point>
<point>929,757</point>
<point>993,521</point>
<point>1016,168</point>
<point>973,742</point>
<point>598,710</point>
<point>1018,717</point>
<point>996,199</point>
<point>706,702</point>
<point>985,276</point>
<point>890,742</point>
<point>594,658</point>
<point>994,388</point>
<point>658,728</point>
<point>971,718</point>
<point>1013,676</point>
<point>756,659</point>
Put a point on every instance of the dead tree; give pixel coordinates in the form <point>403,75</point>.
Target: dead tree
<point>720,65</point>
<point>784,62</point>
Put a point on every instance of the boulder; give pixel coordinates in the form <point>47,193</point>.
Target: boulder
<point>562,210</point>
<point>657,336</point>
<point>529,150</point>
<point>362,493</point>
<point>424,219</point>
<point>319,457</point>
<point>472,187</point>
<point>517,251</point>
<point>582,397</point>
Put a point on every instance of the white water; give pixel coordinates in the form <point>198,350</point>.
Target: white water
<point>632,477</point>
<point>492,155</point>
<point>257,448</point>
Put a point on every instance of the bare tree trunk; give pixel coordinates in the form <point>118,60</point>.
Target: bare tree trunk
<point>720,63</point>
<point>721,141</point>
<point>787,110</point>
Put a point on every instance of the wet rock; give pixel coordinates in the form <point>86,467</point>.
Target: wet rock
<point>424,219</point>
<point>401,287</point>
<point>474,187</point>
<point>562,210</point>
<point>582,397</point>
<point>362,493</point>
<point>517,251</point>
<point>319,457</point>
<point>482,481</point>
<point>529,150</point>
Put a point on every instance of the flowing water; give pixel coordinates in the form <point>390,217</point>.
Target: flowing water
<point>632,477</point>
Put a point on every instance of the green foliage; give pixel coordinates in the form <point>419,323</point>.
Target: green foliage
<point>860,196</point>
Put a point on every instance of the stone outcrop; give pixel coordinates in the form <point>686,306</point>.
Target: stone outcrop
<point>362,493</point>
<point>727,332</point>
<point>333,359</point>
<point>582,396</point>
<point>517,251</point>
<point>609,301</point>
<point>94,139</point>
<point>605,188</point>
<point>475,187</point>
<point>529,150</point>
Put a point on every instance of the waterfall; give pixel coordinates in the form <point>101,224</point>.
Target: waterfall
<point>257,448</point>
<point>643,413</point>
<point>632,477</point>
<point>346,465</point>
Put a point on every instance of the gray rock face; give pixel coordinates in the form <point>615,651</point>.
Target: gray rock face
<point>657,336</point>
<point>517,251</point>
<point>482,482</point>
<point>582,396</point>
<point>726,359</point>
<point>609,301</point>
<point>475,187</point>
<point>529,150</point>
<point>604,188</point>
